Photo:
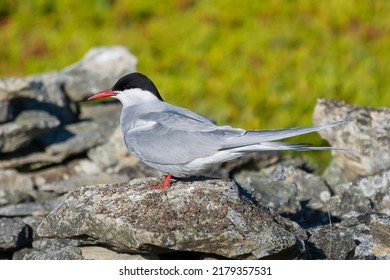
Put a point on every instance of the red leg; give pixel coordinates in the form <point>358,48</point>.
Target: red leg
<point>165,184</point>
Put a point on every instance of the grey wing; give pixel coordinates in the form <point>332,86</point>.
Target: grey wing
<point>177,137</point>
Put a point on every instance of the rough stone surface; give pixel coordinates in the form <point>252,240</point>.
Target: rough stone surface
<point>28,209</point>
<point>111,152</point>
<point>366,136</point>
<point>14,233</point>
<point>277,194</point>
<point>27,126</point>
<point>288,190</point>
<point>74,139</point>
<point>61,143</point>
<point>66,253</point>
<point>366,195</point>
<point>331,244</point>
<point>14,187</point>
<point>212,216</point>
<point>44,92</point>
<point>369,232</point>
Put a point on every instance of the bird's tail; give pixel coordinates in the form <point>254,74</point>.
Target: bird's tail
<point>285,146</point>
<point>264,140</point>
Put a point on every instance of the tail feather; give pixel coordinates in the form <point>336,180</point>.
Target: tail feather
<point>263,138</point>
<point>284,146</point>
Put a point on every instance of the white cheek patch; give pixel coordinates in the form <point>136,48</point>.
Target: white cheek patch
<point>134,96</point>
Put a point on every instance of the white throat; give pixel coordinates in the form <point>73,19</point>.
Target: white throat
<point>135,96</point>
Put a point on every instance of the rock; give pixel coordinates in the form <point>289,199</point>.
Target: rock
<point>49,244</point>
<point>366,195</point>
<point>61,143</point>
<point>5,112</point>
<point>27,126</point>
<point>210,216</point>
<point>330,244</point>
<point>44,92</point>
<point>102,253</point>
<point>14,187</point>
<point>33,223</point>
<point>74,139</point>
<point>66,253</point>
<point>14,233</point>
<point>287,190</point>
<point>51,249</point>
<point>111,152</point>
<point>65,186</point>
<point>63,172</point>
<point>366,136</point>
<point>28,209</point>
<point>279,195</point>
<point>30,160</point>
<point>369,232</point>
<point>333,174</point>
<point>19,255</point>
<point>99,69</point>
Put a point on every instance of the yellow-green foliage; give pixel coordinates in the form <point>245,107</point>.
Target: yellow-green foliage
<point>247,63</point>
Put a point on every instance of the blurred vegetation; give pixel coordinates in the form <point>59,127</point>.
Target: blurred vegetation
<point>252,64</point>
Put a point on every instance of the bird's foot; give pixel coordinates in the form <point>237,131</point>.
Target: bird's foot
<point>165,184</point>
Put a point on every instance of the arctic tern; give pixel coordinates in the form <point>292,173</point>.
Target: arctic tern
<point>182,143</point>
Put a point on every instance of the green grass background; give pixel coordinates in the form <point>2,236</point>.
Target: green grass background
<point>247,63</point>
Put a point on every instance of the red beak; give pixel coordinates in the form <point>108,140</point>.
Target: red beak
<point>103,94</point>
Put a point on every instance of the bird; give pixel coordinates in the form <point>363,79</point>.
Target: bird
<point>181,143</point>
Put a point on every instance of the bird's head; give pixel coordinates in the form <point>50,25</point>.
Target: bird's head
<point>131,89</point>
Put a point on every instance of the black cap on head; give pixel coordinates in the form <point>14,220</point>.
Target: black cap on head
<point>136,80</point>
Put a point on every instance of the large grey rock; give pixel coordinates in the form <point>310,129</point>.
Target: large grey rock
<point>327,242</point>
<point>211,216</point>
<point>51,249</point>
<point>30,161</point>
<point>73,139</point>
<point>14,233</point>
<point>15,187</point>
<point>44,92</point>
<point>27,126</point>
<point>28,209</point>
<point>277,194</point>
<point>288,190</point>
<point>99,69</point>
<point>365,195</point>
<point>361,237</point>
<point>66,253</point>
<point>61,143</point>
<point>366,136</point>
